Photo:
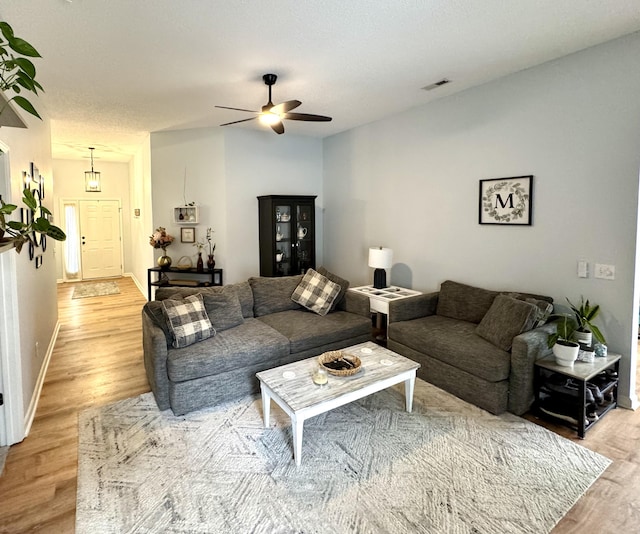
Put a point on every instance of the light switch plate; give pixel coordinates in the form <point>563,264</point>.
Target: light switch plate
<point>583,269</point>
<point>604,271</point>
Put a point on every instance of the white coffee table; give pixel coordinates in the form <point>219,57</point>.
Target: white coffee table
<point>291,387</point>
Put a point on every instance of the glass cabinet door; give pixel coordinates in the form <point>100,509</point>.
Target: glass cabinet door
<point>305,240</point>
<point>284,239</point>
<point>286,234</point>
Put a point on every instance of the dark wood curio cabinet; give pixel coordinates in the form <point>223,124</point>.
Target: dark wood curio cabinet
<point>287,234</point>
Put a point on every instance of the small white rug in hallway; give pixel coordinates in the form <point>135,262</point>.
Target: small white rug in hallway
<point>367,467</point>
<point>95,289</point>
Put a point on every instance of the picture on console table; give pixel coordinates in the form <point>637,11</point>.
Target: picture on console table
<point>506,201</point>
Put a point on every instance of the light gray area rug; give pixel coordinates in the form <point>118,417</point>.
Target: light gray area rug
<point>368,467</point>
<point>3,458</point>
<point>95,289</point>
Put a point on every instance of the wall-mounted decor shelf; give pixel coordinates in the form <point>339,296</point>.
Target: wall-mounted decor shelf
<point>186,215</point>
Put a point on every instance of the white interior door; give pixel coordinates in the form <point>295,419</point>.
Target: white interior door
<point>100,238</point>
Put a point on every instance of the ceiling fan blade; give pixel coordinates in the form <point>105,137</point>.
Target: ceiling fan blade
<point>285,106</point>
<point>236,122</point>
<point>278,127</point>
<point>306,117</point>
<point>238,109</point>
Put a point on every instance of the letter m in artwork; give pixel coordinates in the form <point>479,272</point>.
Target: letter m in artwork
<point>502,203</point>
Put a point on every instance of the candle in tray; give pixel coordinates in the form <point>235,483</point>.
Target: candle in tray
<point>319,376</point>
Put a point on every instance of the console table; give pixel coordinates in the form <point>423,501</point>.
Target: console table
<point>157,277</point>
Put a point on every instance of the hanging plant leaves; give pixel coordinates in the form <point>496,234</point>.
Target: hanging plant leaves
<point>26,105</point>
<point>17,73</point>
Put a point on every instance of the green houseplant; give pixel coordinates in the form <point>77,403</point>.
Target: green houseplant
<point>22,232</point>
<point>564,349</point>
<point>584,315</point>
<point>17,72</point>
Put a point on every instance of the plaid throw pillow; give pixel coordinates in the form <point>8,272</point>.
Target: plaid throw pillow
<point>316,292</point>
<point>187,320</point>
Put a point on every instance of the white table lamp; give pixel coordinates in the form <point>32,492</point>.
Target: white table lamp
<point>380,259</point>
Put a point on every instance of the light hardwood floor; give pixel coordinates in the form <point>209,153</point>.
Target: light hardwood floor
<point>98,360</point>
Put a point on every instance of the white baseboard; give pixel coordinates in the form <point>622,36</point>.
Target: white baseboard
<point>142,288</point>
<point>33,405</point>
<point>630,403</point>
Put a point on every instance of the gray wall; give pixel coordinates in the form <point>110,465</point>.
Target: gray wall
<point>226,170</point>
<point>411,183</point>
<point>37,308</point>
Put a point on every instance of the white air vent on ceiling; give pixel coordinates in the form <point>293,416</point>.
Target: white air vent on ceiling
<point>435,85</point>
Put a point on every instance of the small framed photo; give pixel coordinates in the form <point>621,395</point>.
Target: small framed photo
<point>506,201</point>
<point>188,235</point>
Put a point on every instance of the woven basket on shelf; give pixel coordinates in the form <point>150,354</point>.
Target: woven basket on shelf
<point>333,355</point>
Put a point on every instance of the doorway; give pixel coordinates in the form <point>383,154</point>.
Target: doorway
<point>94,239</point>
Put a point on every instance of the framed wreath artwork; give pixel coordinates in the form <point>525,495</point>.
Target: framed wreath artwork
<point>506,201</point>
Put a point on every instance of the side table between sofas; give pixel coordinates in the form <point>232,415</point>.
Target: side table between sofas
<point>379,300</point>
<point>581,372</point>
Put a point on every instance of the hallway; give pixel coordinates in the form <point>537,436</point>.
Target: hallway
<point>97,360</point>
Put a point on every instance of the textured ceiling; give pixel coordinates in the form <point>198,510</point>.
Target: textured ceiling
<point>115,70</point>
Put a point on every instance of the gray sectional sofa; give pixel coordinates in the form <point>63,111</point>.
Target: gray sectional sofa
<point>476,343</point>
<point>258,327</point>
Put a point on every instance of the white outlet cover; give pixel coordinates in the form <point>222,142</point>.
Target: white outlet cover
<point>604,271</point>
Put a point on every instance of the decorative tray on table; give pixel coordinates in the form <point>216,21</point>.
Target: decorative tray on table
<point>340,363</point>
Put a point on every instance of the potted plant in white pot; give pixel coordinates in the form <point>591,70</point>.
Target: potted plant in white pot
<point>584,316</point>
<point>564,349</point>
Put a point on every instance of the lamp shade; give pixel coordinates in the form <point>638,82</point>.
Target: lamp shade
<point>380,258</point>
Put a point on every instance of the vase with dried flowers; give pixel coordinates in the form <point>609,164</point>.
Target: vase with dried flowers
<point>211,262</point>
<point>199,264</point>
<point>161,239</point>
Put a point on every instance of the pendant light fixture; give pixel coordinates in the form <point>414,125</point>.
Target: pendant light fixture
<point>92,178</point>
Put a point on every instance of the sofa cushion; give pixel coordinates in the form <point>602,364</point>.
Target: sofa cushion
<point>155,312</point>
<point>242,289</point>
<point>467,303</point>
<point>187,320</point>
<point>245,345</point>
<point>306,330</point>
<point>272,295</point>
<point>454,342</point>
<point>316,292</point>
<point>507,318</point>
<point>344,285</point>
<point>223,309</point>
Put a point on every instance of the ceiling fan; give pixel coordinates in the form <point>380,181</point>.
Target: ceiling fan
<point>272,115</point>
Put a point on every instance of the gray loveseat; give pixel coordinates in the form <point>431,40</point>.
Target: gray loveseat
<point>258,327</point>
<point>476,343</point>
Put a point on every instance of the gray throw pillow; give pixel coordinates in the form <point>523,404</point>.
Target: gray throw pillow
<point>463,302</point>
<point>316,292</point>
<point>545,307</point>
<point>272,295</point>
<point>187,320</point>
<point>506,318</point>
<point>223,309</point>
<point>344,285</point>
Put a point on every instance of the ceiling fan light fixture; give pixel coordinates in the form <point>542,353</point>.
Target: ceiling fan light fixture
<point>269,118</point>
